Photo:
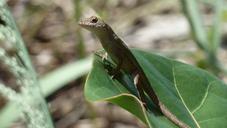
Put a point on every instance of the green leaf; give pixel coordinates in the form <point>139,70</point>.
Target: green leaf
<point>100,86</point>
<point>194,96</point>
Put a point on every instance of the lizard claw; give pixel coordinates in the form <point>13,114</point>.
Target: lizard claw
<point>105,61</point>
<point>112,77</point>
<point>108,66</point>
<point>104,57</point>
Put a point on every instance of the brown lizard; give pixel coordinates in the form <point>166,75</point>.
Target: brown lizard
<point>125,61</point>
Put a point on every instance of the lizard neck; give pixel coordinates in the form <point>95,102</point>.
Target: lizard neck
<point>106,35</point>
<point>110,42</point>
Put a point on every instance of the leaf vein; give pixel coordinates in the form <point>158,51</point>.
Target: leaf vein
<point>204,98</point>
<point>175,84</point>
<point>212,118</point>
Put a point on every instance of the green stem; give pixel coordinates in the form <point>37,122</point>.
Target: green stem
<point>29,84</point>
<point>80,47</point>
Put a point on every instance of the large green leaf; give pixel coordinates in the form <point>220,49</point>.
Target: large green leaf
<point>100,86</point>
<point>194,96</point>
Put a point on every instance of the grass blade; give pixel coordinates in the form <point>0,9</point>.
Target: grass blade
<point>58,78</point>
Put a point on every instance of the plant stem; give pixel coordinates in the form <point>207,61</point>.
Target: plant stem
<point>36,107</point>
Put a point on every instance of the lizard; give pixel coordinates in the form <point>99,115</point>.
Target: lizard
<point>126,61</point>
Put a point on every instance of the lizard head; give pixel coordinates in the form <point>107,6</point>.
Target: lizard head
<point>93,23</point>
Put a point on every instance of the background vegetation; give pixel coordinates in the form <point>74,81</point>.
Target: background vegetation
<point>60,52</point>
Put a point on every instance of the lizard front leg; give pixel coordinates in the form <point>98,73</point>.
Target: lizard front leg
<point>115,71</point>
<point>110,68</point>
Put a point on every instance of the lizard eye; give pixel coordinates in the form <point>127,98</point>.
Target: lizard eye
<point>94,20</point>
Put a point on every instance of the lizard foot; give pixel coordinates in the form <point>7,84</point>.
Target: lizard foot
<point>110,68</point>
<point>113,73</point>
<point>104,57</point>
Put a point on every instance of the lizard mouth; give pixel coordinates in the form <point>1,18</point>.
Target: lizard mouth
<point>82,23</point>
<point>86,24</point>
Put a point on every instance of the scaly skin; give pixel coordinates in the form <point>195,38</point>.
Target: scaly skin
<point>125,60</point>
